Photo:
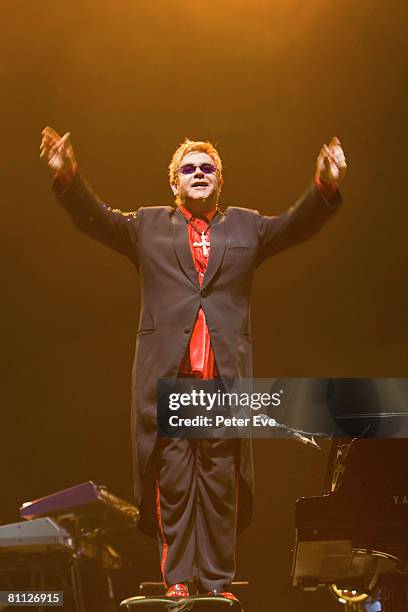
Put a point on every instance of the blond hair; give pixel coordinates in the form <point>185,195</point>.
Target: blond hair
<point>187,147</point>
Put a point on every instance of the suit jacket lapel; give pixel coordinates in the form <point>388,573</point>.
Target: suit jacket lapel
<point>217,247</point>
<point>182,247</point>
<point>183,252</point>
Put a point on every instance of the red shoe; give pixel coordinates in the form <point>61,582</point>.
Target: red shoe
<point>178,590</point>
<point>225,594</point>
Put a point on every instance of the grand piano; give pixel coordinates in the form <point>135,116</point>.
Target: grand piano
<point>354,538</point>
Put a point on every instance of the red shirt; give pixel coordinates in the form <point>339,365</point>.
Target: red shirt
<point>199,359</point>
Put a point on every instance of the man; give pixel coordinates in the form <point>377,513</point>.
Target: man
<point>196,265</point>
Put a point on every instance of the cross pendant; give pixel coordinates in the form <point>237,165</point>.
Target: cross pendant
<point>204,244</point>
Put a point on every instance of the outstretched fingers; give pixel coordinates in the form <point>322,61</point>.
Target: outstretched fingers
<point>50,133</point>
<point>49,138</point>
<point>52,143</point>
<point>64,141</point>
<point>334,142</point>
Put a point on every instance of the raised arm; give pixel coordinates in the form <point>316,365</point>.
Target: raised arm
<point>311,211</point>
<point>118,230</point>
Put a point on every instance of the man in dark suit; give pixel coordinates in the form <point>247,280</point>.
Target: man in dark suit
<point>196,265</point>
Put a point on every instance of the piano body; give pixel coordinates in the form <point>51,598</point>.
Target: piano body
<point>355,536</point>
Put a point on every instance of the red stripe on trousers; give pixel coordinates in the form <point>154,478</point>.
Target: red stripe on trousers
<point>165,546</point>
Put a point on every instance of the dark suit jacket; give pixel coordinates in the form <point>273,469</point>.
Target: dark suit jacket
<point>156,240</point>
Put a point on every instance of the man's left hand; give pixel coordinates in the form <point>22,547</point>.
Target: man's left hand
<point>331,164</point>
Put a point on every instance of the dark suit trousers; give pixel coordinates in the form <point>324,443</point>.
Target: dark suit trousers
<point>197,510</point>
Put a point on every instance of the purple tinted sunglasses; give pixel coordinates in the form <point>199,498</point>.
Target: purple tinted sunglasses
<point>191,168</point>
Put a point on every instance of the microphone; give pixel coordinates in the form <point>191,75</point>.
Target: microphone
<point>297,434</point>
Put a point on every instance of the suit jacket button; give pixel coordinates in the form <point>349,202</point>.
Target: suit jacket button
<point>186,330</point>
<point>204,292</point>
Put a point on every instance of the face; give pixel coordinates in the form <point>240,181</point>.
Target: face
<point>198,185</point>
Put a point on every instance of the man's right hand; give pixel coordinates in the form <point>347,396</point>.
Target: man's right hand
<point>58,153</point>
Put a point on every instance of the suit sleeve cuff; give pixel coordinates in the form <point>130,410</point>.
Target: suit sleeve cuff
<point>327,190</point>
<point>62,181</point>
